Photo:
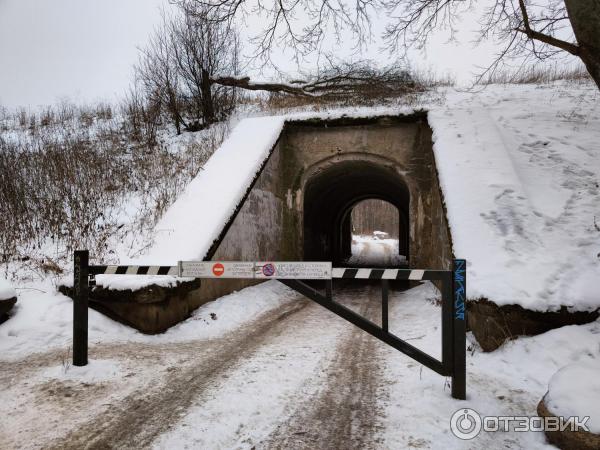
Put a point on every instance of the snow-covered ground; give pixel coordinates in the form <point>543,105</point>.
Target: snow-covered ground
<point>375,251</point>
<point>520,173</point>
<point>6,290</point>
<point>265,368</point>
<point>42,320</point>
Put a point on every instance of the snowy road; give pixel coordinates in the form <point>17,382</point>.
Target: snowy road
<point>295,376</point>
<point>375,252</point>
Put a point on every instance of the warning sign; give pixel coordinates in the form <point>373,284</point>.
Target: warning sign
<point>268,270</point>
<point>303,270</point>
<point>218,269</point>
<point>212,269</point>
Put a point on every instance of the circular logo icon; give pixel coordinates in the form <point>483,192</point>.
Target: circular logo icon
<point>268,270</point>
<point>218,269</point>
<point>465,423</point>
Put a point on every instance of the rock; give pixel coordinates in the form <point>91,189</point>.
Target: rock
<point>492,325</point>
<point>8,298</point>
<point>5,306</point>
<point>568,440</point>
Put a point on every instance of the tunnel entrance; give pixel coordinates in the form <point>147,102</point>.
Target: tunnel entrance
<point>333,193</point>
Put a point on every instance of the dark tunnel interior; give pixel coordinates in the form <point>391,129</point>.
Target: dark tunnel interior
<point>329,198</point>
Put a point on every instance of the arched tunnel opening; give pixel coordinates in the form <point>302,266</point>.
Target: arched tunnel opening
<point>331,195</point>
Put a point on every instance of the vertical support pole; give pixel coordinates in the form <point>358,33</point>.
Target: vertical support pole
<point>80,307</point>
<point>329,289</point>
<point>459,285</point>
<point>447,322</point>
<point>385,290</point>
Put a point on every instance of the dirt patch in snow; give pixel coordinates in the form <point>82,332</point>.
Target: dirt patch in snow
<point>492,325</point>
<point>344,413</point>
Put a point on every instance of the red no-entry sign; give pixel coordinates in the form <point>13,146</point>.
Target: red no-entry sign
<point>218,269</point>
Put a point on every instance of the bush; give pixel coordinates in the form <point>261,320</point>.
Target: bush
<point>77,179</point>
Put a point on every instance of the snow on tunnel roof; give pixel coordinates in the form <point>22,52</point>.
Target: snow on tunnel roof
<point>518,171</point>
<point>520,174</point>
<point>195,220</point>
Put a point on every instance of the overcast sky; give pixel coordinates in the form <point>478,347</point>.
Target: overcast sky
<point>84,49</point>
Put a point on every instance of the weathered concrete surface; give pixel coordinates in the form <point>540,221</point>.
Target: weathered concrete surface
<point>492,325</point>
<point>394,157</point>
<point>568,440</point>
<point>151,310</point>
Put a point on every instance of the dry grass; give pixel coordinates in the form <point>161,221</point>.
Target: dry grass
<point>69,173</point>
<point>539,75</point>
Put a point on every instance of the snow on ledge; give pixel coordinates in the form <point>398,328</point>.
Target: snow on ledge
<point>6,290</point>
<point>195,220</point>
<point>575,391</point>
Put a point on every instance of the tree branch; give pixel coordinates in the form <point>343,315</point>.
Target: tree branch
<point>344,80</point>
<point>546,39</point>
<point>245,83</point>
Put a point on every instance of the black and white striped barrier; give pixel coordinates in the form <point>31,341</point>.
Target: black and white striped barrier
<point>256,269</point>
<point>383,274</point>
<point>452,285</point>
<point>136,270</point>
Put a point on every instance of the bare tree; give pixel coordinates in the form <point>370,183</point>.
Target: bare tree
<point>158,74</point>
<point>528,29</point>
<point>204,48</point>
<point>177,67</point>
<point>190,71</point>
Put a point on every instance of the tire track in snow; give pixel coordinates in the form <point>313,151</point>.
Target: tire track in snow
<point>273,364</point>
<point>265,393</point>
<point>345,413</point>
<point>137,419</point>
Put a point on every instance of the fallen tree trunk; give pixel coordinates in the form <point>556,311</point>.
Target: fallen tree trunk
<point>245,83</point>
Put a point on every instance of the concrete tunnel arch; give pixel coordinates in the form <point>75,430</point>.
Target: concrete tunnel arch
<point>331,193</point>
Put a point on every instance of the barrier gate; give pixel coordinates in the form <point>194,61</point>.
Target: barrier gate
<point>293,275</point>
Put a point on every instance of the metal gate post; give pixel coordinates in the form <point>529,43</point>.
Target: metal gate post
<point>80,307</point>
<point>448,323</point>
<point>329,289</point>
<point>459,328</point>
<point>384,304</point>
